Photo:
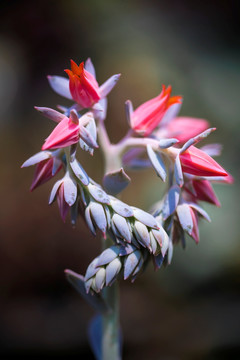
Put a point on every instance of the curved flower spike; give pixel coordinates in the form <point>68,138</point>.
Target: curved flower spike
<point>148,115</point>
<point>196,162</point>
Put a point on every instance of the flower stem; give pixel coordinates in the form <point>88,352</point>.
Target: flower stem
<point>110,319</point>
<point>111,154</point>
<point>110,339</point>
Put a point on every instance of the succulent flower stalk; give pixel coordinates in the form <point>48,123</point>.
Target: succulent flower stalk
<point>134,236</point>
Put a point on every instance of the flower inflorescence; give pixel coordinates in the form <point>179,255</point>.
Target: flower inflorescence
<point>157,138</point>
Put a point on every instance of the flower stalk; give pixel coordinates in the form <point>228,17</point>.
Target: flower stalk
<point>131,237</point>
<point>110,320</point>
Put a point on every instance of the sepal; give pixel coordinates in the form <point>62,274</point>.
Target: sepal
<point>108,85</point>
<point>157,163</point>
<point>60,85</point>
<point>116,181</point>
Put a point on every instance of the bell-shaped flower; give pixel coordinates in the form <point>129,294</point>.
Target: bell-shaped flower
<point>82,85</point>
<point>188,220</point>
<point>196,162</point>
<point>204,192</point>
<point>47,164</point>
<point>65,191</point>
<point>183,128</point>
<point>147,116</point>
<point>69,131</point>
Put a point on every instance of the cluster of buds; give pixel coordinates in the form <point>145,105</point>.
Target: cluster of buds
<point>157,138</point>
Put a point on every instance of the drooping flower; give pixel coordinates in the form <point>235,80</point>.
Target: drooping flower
<point>47,164</point>
<point>65,191</point>
<point>44,172</point>
<point>188,220</point>
<point>147,116</point>
<point>196,162</point>
<point>82,85</point>
<point>204,192</point>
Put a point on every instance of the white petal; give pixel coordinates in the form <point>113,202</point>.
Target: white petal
<point>60,85</point>
<point>90,67</point>
<point>51,113</point>
<point>106,87</point>
<point>37,158</point>
<point>70,191</point>
<point>171,113</point>
<point>54,190</point>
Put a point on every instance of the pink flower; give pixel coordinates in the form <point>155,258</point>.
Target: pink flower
<point>196,162</point>
<point>148,115</point>
<point>44,172</point>
<point>47,164</point>
<point>69,131</point>
<point>83,85</point>
<point>183,128</point>
<point>203,191</point>
<point>65,133</point>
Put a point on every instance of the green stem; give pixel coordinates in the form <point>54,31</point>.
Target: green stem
<point>110,320</point>
<point>110,334</point>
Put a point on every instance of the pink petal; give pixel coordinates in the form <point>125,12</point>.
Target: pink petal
<point>197,162</point>
<point>63,206</point>
<point>184,128</point>
<point>204,192</point>
<point>195,230</point>
<point>43,173</point>
<point>65,133</point>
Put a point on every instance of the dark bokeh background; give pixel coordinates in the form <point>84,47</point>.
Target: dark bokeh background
<point>190,310</point>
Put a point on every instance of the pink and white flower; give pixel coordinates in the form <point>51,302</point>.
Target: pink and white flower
<point>48,164</point>
<point>82,85</point>
<point>196,162</point>
<point>148,116</point>
<point>69,131</point>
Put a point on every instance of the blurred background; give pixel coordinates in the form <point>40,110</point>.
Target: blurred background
<point>190,310</point>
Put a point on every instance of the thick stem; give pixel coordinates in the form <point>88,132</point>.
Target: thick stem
<point>111,155</point>
<point>110,320</point>
<point>110,334</point>
<point>130,142</point>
